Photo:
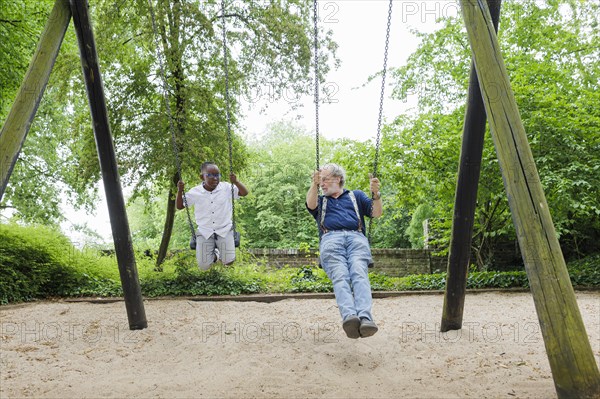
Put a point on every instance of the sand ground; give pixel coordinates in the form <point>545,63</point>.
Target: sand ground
<point>293,348</point>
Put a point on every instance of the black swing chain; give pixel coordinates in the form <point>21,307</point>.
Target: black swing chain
<point>381,98</point>
<point>165,89</point>
<point>316,51</point>
<point>227,112</point>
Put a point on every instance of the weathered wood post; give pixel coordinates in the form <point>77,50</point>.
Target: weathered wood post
<point>465,198</point>
<point>21,114</point>
<point>570,355</point>
<point>108,165</point>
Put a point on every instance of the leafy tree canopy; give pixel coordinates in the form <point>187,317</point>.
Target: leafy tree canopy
<point>269,47</point>
<point>551,52</point>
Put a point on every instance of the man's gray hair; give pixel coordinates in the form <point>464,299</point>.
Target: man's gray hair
<point>336,170</point>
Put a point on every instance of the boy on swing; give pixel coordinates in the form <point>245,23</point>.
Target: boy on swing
<point>344,247</point>
<point>212,204</point>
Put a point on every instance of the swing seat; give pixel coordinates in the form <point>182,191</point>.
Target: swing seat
<point>237,238</point>
<point>370,265</point>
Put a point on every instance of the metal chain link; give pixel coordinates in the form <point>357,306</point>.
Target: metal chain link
<point>381,98</point>
<point>316,61</point>
<point>316,49</point>
<point>227,112</point>
<point>165,89</point>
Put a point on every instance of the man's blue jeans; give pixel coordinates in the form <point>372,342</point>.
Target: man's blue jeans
<point>345,256</point>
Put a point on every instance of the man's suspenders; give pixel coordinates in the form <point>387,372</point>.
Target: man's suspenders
<point>324,208</point>
<point>322,222</point>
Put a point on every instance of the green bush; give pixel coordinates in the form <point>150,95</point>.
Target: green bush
<point>36,262</point>
<point>310,279</point>
<point>381,282</point>
<point>181,276</point>
<point>585,272</point>
<point>215,281</point>
<point>32,264</point>
<point>426,282</point>
<point>497,280</point>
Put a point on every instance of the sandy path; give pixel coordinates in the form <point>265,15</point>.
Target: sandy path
<point>288,349</point>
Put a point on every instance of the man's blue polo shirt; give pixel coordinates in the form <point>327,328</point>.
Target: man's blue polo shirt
<point>340,213</point>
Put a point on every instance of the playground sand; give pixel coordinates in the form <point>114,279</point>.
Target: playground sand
<point>293,348</point>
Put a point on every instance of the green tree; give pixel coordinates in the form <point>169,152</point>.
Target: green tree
<point>269,49</point>
<point>551,51</point>
<point>357,158</point>
<point>558,95</point>
<point>274,214</point>
<point>146,223</point>
<point>58,162</point>
<point>21,23</point>
<point>416,230</point>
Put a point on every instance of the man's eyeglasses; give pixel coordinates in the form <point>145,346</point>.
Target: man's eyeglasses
<point>212,175</point>
<point>328,178</point>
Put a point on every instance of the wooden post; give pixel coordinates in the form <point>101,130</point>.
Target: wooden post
<point>570,355</point>
<point>465,198</point>
<point>108,165</point>
<point>17,124</point>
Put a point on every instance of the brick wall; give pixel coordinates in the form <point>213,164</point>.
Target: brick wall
<point>284,257</point>
<point>393,262</point>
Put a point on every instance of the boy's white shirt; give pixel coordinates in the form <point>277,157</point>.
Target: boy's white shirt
<point>212,209</point>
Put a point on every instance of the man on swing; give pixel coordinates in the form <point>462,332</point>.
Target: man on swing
<point>344,247</point>
<point>213,211</point>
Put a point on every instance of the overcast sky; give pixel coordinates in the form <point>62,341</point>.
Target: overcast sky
<point>359,28</point>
